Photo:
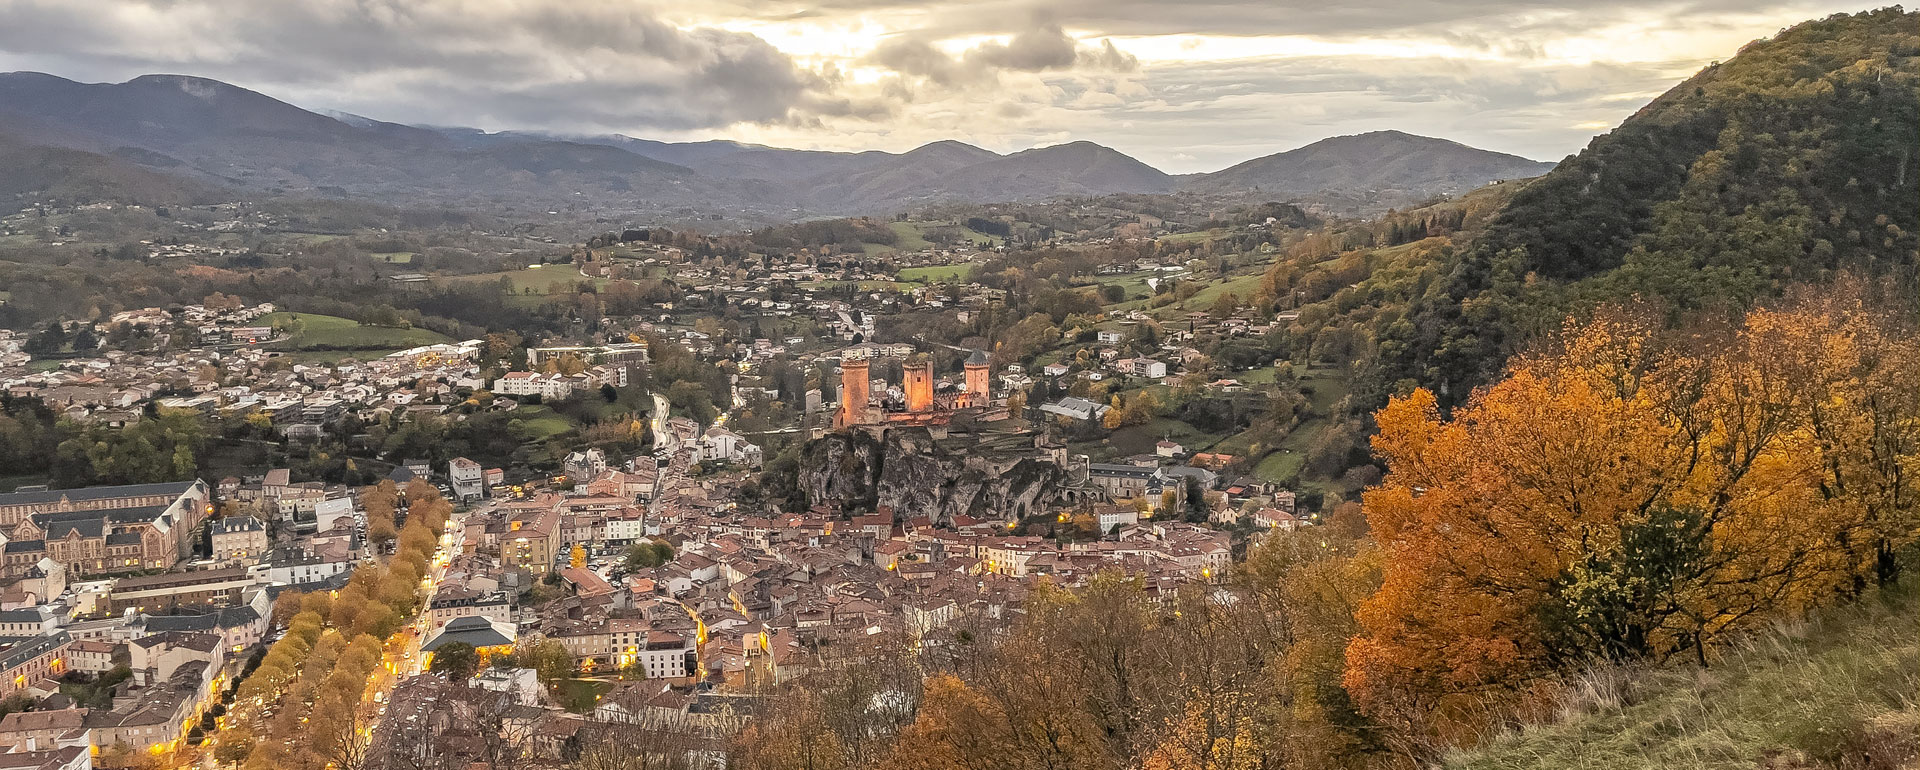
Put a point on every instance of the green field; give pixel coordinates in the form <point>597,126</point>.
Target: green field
<point>864,285</point>
<point>539,280</point>
<point>395,257</point>
<point>935,274</point>
<point>1139,439</point>
<point>314,237</point>
<point>540,423</point>
<point>1135,284</point>
<point>1243,287</point>
<point>1265,375</point>
<point>335,356</point>
<point>910,237</point>
<point>1192,237</point>
<point>332,333</point>
<point>1285,464</point>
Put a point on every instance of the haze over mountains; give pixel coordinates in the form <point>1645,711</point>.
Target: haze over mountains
<point>207,135</point>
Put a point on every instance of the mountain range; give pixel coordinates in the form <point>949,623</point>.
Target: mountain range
<point>213,137</point>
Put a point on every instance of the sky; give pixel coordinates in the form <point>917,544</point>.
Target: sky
<point>1185,86</point>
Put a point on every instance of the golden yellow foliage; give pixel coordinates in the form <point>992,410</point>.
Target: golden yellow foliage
<point>1632,494</point>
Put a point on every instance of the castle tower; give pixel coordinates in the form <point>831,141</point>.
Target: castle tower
<point>978,389</point>
<point>853,393</point>
<point>919,385</point>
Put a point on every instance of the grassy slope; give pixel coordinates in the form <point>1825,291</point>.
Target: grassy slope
<point>913,238</point>
<point>934,274</point>
<point>1837,692</point>
<point>333,332</point>
<point>540,422</point>
<point>541,280</point>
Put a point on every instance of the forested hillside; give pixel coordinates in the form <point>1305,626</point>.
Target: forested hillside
<point>1788,163</point>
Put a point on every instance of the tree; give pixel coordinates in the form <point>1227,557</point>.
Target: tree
<point>1623,495</point>
<point>546,657</point>
<point>235,744</point>
<point>381,503</point>
<point>648,555</point>
<point>458,661</point>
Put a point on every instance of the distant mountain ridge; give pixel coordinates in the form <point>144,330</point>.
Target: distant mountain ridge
<point>217,134</point>
<point>1389,162</point>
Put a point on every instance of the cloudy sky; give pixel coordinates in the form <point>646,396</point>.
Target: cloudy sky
<point>1186,86</point>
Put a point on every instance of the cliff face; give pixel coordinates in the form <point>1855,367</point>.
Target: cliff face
<point>915,476</point>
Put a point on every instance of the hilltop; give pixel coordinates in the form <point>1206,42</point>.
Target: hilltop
<point>1791,162</point>
<point>1386,168</point>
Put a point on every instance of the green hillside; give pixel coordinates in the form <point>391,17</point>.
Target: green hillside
<point>77,175</point>
<point>1838,692</point>
<point>1790,162</point>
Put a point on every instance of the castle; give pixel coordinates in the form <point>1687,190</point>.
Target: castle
<point>922,404</point>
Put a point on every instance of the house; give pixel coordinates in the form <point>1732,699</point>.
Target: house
<point>1076,408</point>
<point>1055,369</point>
<point>467,478</point>
<point>1122,481</point>
<point>1168,449</point>
<point>454,603</point>
<point>522,685</point>
<point>1108,337</point>
<point>90,656</point>
<point>1274,518</point>
<point>1108,517</point>
<point>1149,368</point>
<point>721,445</point>
<point>44,731</point>
<point>33,658</point>
<point>589,464</point>
<point>156,718</point>
<point>237,541</point>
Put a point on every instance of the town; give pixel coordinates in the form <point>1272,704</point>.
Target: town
<point>1099,386</point>
<point>616,591</point>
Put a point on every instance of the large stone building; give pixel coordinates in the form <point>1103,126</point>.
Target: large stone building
<point>102,530</point>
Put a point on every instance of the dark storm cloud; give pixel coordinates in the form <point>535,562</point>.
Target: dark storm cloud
<point>585,63</point>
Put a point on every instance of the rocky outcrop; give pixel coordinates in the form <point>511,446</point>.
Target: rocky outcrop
<point>914,475</point>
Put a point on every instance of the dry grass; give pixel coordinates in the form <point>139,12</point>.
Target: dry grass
<point>1840,691</point>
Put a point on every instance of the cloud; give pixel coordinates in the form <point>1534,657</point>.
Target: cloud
<point>1040,47</point>
<point>1493,19</point>
<point>1046,47</point>
<point>586,62</point>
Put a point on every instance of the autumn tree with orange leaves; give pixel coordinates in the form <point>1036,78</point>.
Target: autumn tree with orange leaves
<point>1634,494</point>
